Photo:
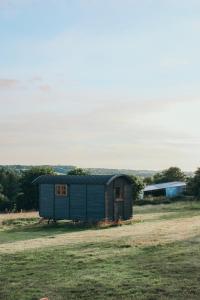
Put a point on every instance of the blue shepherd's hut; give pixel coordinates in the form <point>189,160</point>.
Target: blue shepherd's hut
<point>85,198</point>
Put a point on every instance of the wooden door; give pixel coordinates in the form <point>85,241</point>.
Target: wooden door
<point>119,210</point>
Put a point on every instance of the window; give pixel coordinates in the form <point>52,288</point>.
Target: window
<point>61,190</point>
<point>118,193</point>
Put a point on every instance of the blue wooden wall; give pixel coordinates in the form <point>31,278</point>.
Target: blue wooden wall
<point>78,201</point>
<point>61,205</point>
<point>95,202</point>
<point>174,191</point>
<point>84,202</point>
<point>46,200</point>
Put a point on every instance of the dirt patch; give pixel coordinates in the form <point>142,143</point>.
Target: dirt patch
<point>147,233</point>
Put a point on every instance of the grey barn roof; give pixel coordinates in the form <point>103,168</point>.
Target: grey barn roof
<point>72,179</point>
<point>166,185</point>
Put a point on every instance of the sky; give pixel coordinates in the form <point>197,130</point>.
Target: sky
<point>100,83</point>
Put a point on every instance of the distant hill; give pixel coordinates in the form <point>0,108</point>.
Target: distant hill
<point>62,169</point>
<point>58,169</point>
<point>104,171</point>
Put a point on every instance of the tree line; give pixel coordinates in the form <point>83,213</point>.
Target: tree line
<point>16,189</point>
<point>175,174</point>
<point>18,193</point>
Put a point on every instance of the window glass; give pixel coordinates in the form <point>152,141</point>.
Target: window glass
<point>117,192</point>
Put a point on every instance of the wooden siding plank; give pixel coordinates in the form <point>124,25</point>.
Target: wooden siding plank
<point>46,196</point>
<point>61,207</point>
<point>78,201</point>
<point>96,202</point>
<point>128,205</point>
<point>110,202</point>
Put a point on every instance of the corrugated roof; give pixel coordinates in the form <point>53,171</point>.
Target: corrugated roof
<point>72,179</point>
<point>161,186</point>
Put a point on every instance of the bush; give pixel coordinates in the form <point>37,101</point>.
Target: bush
<point>137,185</point>
<point>28,199</point>
<point>193,186</point>
<point>169,175</point>
<point>78,172</point>
<point>162,200</point>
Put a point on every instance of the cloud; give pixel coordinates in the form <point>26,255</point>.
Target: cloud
<point>45,88</point>
<point>36,79</point>
<point>173,62</point>
<point>8,83</point>
<point>95,127</point>
<point>125,135</point>
<point>32,84</point>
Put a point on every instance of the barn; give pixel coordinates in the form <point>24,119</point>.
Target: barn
<point>169,189</point>
<point>85,198</point>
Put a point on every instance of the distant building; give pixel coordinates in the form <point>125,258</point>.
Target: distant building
<point>169,189</point>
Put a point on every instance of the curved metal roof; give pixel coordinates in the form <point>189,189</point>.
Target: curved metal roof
<point>166,185</point>
<point>72,179</point>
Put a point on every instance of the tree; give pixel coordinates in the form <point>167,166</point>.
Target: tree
<point>29,197</point>
<point>169,175</point>
<point>4,202</point>
<point>10,187</point>
<point>148,180</point>
<point>193,185</point>
<point>78,172</point>
<point>138,186</point>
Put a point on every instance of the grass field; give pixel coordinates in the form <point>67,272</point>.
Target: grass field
<point>156,256</point>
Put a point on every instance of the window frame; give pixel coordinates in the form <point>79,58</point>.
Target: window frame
<point>61,190</point>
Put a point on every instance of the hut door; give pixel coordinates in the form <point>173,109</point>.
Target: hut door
<point>119,204</point>
<point>119,210</point>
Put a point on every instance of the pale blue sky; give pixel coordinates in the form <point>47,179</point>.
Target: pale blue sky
<point>104,83</point>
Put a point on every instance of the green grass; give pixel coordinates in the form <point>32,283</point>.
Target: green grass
<point>106,270</point>
<point>12,230</point>
<point>24,229</point>
<point>103,271</point>
<point>170,211</point>
<point>180,207</point>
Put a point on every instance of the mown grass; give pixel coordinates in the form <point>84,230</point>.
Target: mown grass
<point>12,231</point>
<point>18,229</point>
<point>25,229</point>
<point>180,207</point>
<point>109,270</point>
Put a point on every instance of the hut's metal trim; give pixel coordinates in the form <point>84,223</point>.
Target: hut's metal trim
<point>73,179</point>
<point>118,176</point>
